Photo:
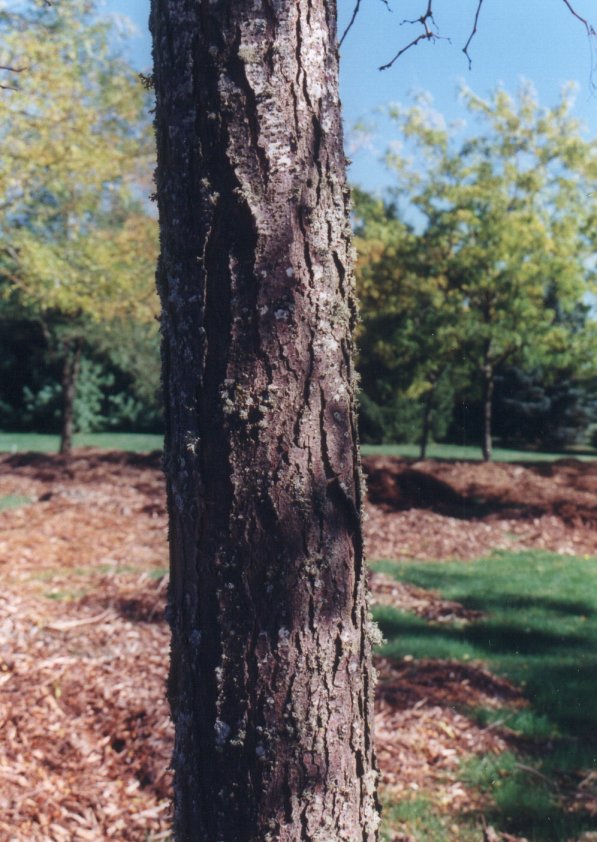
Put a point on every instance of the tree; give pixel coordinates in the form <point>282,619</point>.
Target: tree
<point>510,216</point>
<point>270,682</point>
<point>76,243</point>
<point>270,679</point>
<point>117,387</point>
<point>408,340</point>
<point>550,413</point>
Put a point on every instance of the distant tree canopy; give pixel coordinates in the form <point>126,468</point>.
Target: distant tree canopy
<point>77,244</point>
<point>495,268</point>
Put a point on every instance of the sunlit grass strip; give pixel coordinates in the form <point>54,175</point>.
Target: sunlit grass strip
<point>457,452</point>
<point>146,442</point>
<point>39,443</point>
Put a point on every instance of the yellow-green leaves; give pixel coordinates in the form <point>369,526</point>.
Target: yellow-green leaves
<point>75,144</point>
<point>497,266</point>
<point>509,205</point>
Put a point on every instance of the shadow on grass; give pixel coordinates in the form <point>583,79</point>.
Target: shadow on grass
<point>456,582</point>
<point>540,631</point>
<point>558,672</point>
<point>487,638</point>
<point>525,801</point>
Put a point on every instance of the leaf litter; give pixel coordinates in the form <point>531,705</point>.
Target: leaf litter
<point>85,730</point>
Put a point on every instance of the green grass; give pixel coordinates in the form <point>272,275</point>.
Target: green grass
<point>419,818</point>
<point>525,723</point>
<point>158,572</point>
<point>69,595</point>
<point>457,452</point>
<point>35,442</point>
<point>143,442</point>
<point>524,799</point>
<point>539,630</point>
<point>11,501</point>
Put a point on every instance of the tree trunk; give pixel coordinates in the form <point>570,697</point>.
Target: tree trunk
<point>426,426</point>
<point>487,374</point>
<point>271,682</point>
<point>70,373</point>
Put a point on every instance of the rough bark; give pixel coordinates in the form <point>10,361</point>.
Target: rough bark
<point>271,680</point>
<point>70,373</point>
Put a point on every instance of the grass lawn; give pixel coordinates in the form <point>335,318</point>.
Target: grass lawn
<point>540,630</point>
<point>144,442</point>
<point>460,452</point>
<point>23,442</point>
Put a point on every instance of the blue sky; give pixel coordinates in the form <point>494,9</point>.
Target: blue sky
<point>537,40</point>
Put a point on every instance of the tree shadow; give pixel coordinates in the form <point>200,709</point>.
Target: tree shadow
<point>51,466</point>
<point>398,487</point>
<point>146,605</point>
<point>534,795</point>
<point>402,489</point>
<point>489,637</point>
<point>547,792</point>
<point>459,583</point>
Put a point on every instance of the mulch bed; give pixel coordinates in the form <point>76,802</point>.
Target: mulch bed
<point>463,510</point>
<point>85,737</point>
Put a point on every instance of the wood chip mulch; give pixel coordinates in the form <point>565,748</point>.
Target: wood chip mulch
<point>421,735</point>
<point>85,737</point>
<point>85,729</point>
<point>464,510</point>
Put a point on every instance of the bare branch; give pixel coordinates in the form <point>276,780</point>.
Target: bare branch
<point>425,36</point>
<point>428,34</point>
<point>10,69</point>
<point>589,27</point>
<point>591,36</point>
<point>473,33</point>
<point>424,18</point>
<point>355,12</point>
<point>13,69</point>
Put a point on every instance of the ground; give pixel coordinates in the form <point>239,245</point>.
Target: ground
<point>86,737</point>
<point>418,509</point>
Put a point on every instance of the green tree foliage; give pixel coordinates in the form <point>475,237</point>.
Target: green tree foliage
<point>77,247</point>
<point>409,346</point>
<point>117,382</point>
<point>548,412</point>
<point>504,235</point>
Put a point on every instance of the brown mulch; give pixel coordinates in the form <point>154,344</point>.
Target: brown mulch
<point>85,729</point>
<point>421,736</point>
<point>464,510</point>
<point>85,737</point>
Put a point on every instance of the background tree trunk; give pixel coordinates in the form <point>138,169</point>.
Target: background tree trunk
<point>426,422</point>
<point>70,373</point>
<point>270,684</point>
<point>488,384</point>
